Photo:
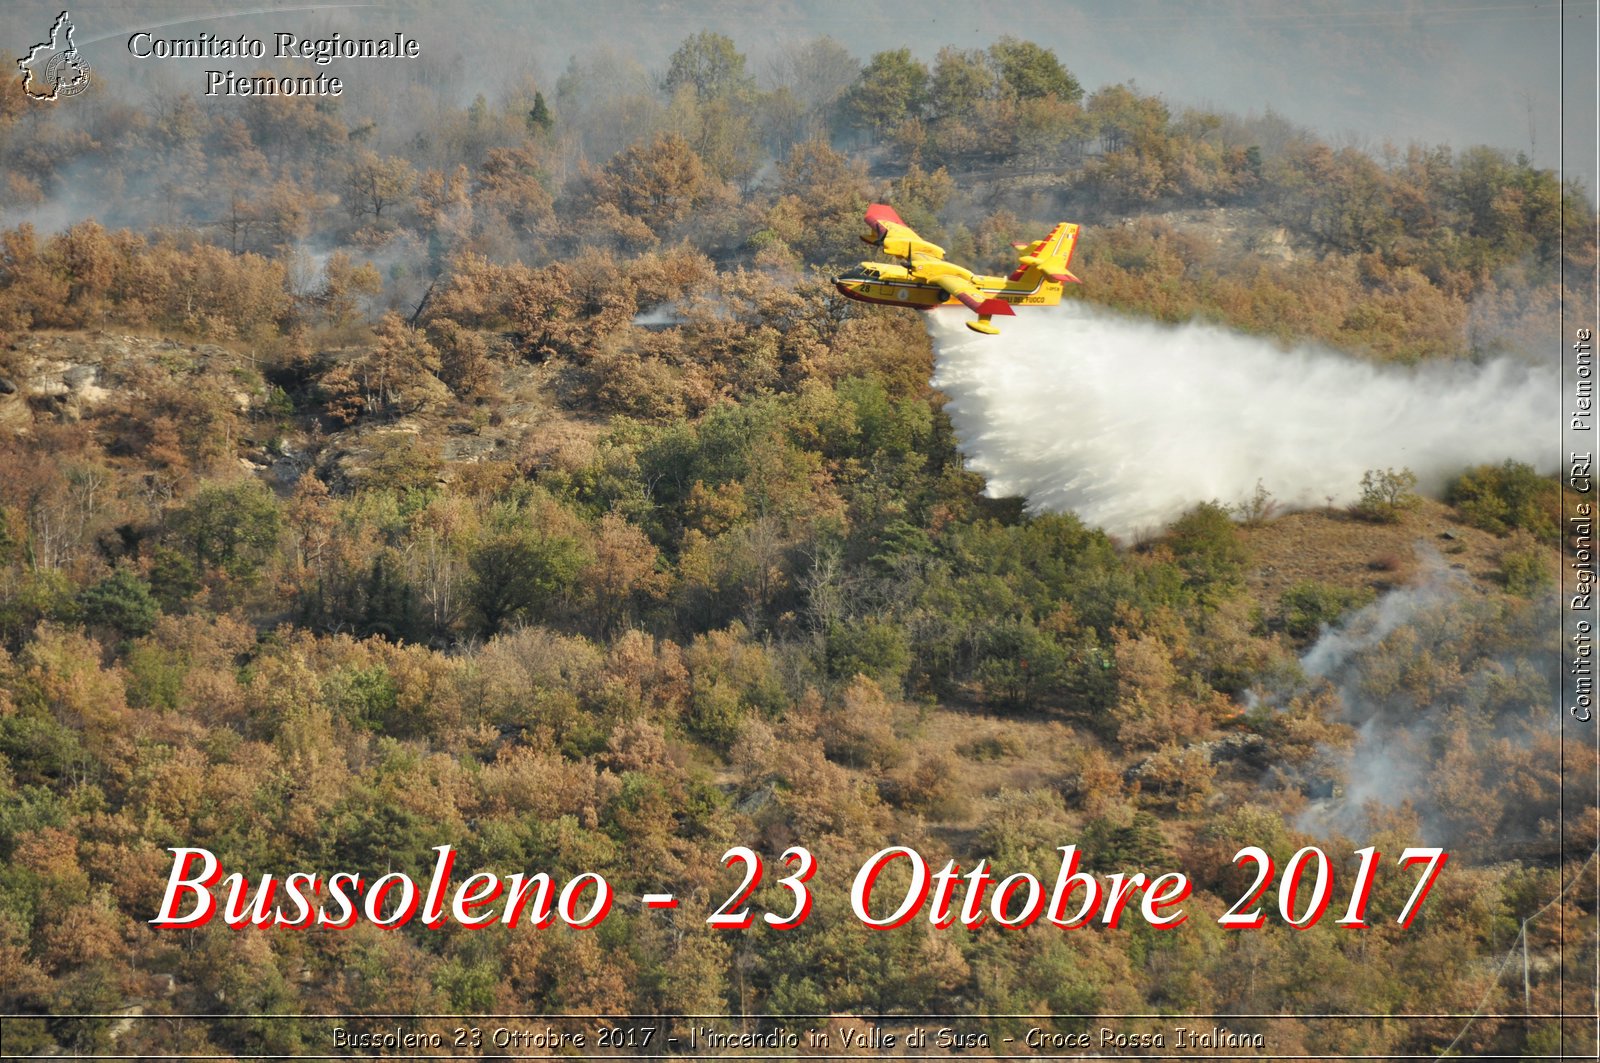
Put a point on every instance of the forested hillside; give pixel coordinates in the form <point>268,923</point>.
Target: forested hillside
<point>512,477</point>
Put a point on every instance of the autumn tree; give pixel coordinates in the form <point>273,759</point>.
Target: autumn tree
<point>512,183</point>
<point>658,183</point>
<point>822,194</point>
<point>396,373</point>
<point>375,184</point>
<point>464,363</point>
<point>345,284</point>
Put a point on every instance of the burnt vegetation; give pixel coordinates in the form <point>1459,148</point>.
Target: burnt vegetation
<point>513,478</point>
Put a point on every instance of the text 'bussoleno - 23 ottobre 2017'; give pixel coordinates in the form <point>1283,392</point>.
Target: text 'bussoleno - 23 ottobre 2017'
<point>892,888</point>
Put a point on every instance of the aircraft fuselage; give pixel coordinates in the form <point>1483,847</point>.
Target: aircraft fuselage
<point>896,285</point>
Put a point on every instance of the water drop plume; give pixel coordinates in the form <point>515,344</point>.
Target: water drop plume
<point>1130,422</point>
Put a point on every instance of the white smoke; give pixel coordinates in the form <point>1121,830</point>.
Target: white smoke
<point>1128,423</point>
<point>1365,629</point>
<point>661,316</point>
<point>1412,747</point>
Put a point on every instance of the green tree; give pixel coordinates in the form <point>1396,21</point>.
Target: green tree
<point>539,117</point>
<point>1310,604</point>
<point>1524,565</point>
<point>122,601</point>
<point>1207,547</point>
<point>711,65</point>
<point>962,79</point>
<point>1121,116</point>
<point>232,527</point>
<point>517,573</point>
<point>1028,71</point>
<point>871,647</point>
<point>892,88</point>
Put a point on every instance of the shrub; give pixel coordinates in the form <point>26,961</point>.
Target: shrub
<point>1258,508</point>
<point>1523,567</point>
<point>877,649</point>
<point>1310,604</point>
<point>1386,495</point>
<point>1208,549</point>
<point>715,713</point>
<point>1499,498</point>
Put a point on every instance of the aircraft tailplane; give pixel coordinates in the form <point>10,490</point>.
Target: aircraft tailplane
<point>1049,258</point>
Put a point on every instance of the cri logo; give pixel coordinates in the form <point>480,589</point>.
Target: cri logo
<point>55,68</point>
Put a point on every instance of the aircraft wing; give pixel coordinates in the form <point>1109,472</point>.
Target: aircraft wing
<point>976,299</point>
<point>886,230</point>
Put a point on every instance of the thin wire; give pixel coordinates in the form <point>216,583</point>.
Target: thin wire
<point>1513,949</point>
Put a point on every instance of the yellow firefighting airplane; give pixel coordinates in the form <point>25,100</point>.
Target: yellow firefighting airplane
<point>924,280</point>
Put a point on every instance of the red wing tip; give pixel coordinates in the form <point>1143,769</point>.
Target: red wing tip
<point>882,212</point>
<point>995,306</point>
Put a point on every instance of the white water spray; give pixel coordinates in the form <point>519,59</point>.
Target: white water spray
<point>1128,423</point>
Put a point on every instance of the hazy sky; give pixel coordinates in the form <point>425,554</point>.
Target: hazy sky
<point>1516,75</point>
<point>1459,72</point>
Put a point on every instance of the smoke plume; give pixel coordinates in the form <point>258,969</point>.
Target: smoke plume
<point>1128,422</point>
<point>1455,698</point>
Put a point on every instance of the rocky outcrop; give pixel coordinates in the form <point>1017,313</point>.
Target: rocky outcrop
<point>65,376</point>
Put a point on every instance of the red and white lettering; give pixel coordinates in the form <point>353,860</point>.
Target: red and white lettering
<point>433,907</point>
<point>867,877</point>
<point>466,900</point>
<point>1158,897</point>
<point>346,905</point>
<point>300,887</point>
<point>183,878</point>
<point>260,910</point>
<point>1068,881</point>
<point>944,885</point>
<point>517,899</point>
<point>574,890</point>
<point>1031,909</point>
<point>380,891</point>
